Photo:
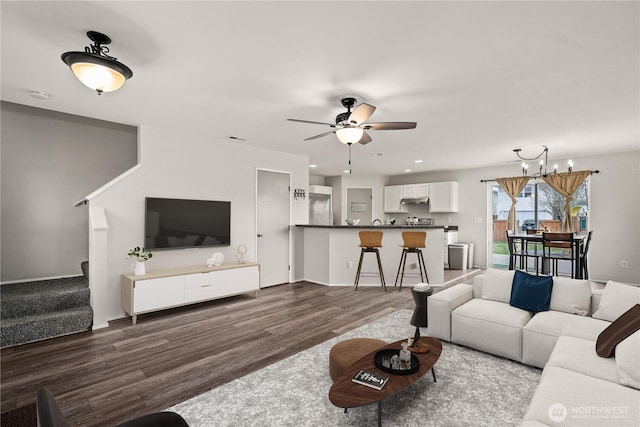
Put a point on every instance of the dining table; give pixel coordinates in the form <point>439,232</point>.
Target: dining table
<point>578,246</point>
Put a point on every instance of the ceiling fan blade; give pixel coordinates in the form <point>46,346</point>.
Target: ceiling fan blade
<point>389,125</point>
<point>320,135</point>
<point>365,139</point>
<point>312,122</point>
<point>361,113</point>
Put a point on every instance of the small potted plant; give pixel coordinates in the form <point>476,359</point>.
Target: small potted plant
<point>141,255</point>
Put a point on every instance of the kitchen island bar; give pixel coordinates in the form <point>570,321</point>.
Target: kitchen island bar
<point>332,252</point>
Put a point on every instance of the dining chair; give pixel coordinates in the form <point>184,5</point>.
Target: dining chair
<point>533,249</point>
<point>520,252</point>
<point>584,267</point>
<point>558,247</point>
<point>514,245</point>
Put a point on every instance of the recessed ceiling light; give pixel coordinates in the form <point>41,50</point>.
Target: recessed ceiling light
<point>313,166</point>
<point>417,161</point>
<point>38,94</point>
<point>346,171</point>
<point>407,170</point>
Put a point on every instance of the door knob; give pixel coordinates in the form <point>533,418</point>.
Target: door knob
<point>260,235</point>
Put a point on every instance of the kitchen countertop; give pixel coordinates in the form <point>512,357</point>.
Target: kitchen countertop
<point>385,226</point>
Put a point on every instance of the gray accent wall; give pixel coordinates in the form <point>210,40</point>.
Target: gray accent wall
<point>50,160</point>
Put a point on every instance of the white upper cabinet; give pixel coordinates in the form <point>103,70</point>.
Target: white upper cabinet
<point>408,191</point>
<point>443,196</point>
<point>422,190</point>
<point>415,191</point>
<point>320,189</point>
<point>392,197</point>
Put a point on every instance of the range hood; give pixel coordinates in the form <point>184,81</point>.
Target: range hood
<point>414,201</point>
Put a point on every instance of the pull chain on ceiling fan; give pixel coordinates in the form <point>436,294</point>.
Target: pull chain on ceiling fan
<point>351,126</point>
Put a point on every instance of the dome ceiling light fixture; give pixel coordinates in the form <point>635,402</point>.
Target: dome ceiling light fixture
<point>94,68</point>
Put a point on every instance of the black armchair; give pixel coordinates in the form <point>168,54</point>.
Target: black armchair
<point>50,415</point>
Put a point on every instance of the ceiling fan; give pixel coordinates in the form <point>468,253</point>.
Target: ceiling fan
<point>351,126</point>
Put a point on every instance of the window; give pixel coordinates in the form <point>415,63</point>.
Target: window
<point>538,207</point>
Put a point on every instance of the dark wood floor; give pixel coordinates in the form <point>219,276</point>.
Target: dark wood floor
<point>113,374</point>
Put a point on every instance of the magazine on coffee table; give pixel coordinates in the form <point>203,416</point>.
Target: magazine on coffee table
<point>370,379</point>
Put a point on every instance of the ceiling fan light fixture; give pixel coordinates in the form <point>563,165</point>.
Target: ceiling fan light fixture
<point>349,135</point>
<point>94,68</point>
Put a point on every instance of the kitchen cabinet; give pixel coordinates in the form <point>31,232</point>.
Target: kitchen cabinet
<point>392,198</point>
<point>408,191</point>
<point>443,196</point>
<point>415,191</point>
<point>320,189</point>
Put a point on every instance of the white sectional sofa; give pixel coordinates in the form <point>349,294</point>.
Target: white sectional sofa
<point>578,387</point>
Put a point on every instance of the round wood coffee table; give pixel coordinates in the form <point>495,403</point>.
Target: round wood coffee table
<point>344,393</point>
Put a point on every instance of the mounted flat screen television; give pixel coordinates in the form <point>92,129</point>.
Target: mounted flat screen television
<point>181,223</point>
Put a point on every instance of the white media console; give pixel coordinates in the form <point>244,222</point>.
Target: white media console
<point>161,289</point>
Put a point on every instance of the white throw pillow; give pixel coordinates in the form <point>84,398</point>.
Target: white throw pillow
<point>628,361</point>
<point>496,285</point>
<point>616,299</point>
<point>571,296</point>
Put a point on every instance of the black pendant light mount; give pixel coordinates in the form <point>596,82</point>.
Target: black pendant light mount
<point>95,68</point>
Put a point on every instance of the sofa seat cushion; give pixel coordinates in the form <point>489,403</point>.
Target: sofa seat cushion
<point>490,326</point>
<point>565,397</point>
<point>540,334</point>
<point>579,355</point>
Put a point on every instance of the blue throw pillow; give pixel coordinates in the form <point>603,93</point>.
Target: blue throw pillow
<point>532,293</point>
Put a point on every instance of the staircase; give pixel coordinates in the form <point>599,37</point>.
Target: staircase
<point>33,311</point>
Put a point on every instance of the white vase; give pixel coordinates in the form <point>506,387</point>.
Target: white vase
<point>139,268</point>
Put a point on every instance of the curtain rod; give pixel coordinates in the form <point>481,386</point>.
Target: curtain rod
<point>495,179</point>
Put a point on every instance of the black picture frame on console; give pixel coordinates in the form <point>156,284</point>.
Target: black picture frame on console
<point>186,223</point>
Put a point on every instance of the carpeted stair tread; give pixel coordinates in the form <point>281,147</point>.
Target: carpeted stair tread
<point>32,311</point>
<point>50,285</point>
<point>52,299</point>
<point>46,325</point>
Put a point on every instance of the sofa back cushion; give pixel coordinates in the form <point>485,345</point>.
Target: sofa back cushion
<point>496,285</point>
<point>628,362</point>
<point>571,296</point>
<point>616,299</point>
<point>617,331</point>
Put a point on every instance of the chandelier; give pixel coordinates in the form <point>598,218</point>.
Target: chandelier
<point>542,169</point>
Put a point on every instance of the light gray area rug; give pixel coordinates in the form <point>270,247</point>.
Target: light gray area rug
<point>472,389</point>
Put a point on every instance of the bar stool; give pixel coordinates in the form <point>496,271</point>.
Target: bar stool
<point>370,241</point>
<point>413,242</point>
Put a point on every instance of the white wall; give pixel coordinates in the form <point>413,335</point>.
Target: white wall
<point>614,209</point>
<point>182,165</point>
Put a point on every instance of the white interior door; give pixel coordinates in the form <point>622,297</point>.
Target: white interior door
<point>273,215</point>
